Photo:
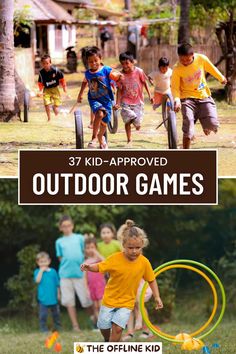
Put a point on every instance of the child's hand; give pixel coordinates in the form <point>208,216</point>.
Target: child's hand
<point>39,94</point>
<point>224,82</point>
<point>177,106</point>
<point>43,268</point>
<point>116,106</point>
<point>159,304</point>
<point>79,99</point>
<point>84,267</point>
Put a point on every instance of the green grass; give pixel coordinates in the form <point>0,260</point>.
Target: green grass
<point>59,133</point>
<point>20,335</point>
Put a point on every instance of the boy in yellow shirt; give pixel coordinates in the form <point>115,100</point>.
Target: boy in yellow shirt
<point>126,270</point>
<point>192,94</point>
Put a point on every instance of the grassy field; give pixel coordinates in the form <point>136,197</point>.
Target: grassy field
<point>59,133</point>
<point>20,336</point>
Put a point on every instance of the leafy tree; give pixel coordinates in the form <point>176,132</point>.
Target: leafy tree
<point>226,34</point>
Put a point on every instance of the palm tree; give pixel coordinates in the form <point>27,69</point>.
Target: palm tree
<point>7,67</point>
<point>183,34</point>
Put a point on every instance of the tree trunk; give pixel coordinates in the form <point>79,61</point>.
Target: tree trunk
<point>226,36</point>
<point>183,33</point>
<point>231,59</point>
<point>7,67</point>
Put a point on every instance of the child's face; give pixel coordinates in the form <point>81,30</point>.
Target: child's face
<point>106,234</point>
<point>90,249</point>
<point>66,227</point>
<point>163,69</point>
<point>133,248</point>
<point>46,64</point>
<point>186,59</point>
<point>127,66</point>
<point>43,262</point>
<point>94,62</point>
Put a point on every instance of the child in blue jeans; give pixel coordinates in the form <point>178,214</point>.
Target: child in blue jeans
<point>48,291</point>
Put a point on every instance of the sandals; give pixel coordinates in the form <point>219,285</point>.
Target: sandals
<point>103,145</point>
<point>92,144</point>
<point>128,337</point>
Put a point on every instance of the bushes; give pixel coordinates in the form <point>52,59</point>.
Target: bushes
<point>21,286</point>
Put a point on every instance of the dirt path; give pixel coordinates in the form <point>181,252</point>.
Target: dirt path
<point>59,133</point>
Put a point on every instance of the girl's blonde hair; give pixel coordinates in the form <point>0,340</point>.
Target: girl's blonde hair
<point>129,230</point>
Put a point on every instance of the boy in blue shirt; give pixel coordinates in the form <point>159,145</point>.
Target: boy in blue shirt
<point>70,252</point>
<point>98,77</point>
<point>48,291</point>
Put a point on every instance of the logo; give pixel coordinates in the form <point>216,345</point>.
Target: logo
<point>79,348</point>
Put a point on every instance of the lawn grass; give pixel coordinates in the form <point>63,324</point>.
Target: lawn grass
<point>19,333</point>
<point>59,133</point>
<point>20,336</point>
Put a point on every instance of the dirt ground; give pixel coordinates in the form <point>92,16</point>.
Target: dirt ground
<point>59,133</point>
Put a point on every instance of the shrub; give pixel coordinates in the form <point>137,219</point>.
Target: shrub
<point>21,286</point>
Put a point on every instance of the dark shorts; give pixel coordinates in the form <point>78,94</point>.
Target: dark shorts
<point>202,109</point>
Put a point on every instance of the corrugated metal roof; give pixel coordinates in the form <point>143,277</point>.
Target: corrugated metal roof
<point>45,11</point>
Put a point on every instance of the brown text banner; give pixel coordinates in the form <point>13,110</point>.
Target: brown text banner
<point>118,177</point>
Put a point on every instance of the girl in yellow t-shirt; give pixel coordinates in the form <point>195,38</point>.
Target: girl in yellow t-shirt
<point>126,270</point>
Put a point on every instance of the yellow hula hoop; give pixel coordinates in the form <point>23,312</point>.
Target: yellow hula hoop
<point>215,300</point>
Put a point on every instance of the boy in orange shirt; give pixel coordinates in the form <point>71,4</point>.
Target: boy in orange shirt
<point>126,270</point>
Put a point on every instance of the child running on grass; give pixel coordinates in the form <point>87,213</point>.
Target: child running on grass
<point>108,245</point>
<point>192,94</point>
<point>48,291</point>
<point>130,94</point>
<point>98,77</point>
<point>50,77</point>
<point>126,270</point>
<point>95,281</point>
<point>161,81</point>
<point>70,252</point>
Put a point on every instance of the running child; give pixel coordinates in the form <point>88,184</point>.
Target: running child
<point>70,252</point>
<point>126,270</point>
<point>95,281</point>
<point>109,244</point>
<point>50,77</point>
<point>98,77</point>
<point>48,292</point>
<point>130,94</point>
<point>192,94</point>
<point>161,81</point>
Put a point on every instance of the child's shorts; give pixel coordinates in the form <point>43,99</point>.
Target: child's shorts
<point>104,106</point>
<point>52,96</point>
<point>202,109</point>
<point>71,287</point>
<point>132,113</point>
<point>109,315</point>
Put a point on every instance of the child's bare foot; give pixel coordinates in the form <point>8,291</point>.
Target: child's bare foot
<point>129,145</point>
<point>90,126</point>
<point>207,131</point>
<point>76,329</point>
